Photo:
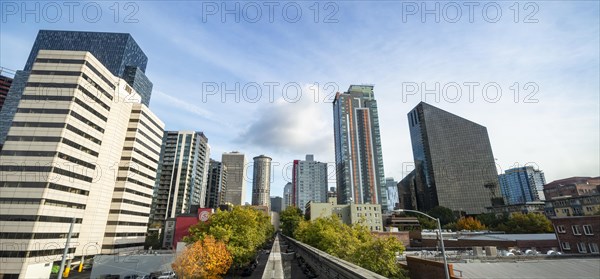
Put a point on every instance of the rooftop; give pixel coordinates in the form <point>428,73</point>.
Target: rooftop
<point>563,268</point>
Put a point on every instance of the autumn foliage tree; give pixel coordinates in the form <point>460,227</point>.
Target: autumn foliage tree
<point>469,223</point>
<point>289,220</point>
<point>527,223</point>
<point>206,258</point>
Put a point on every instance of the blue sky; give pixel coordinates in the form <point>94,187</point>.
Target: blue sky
<point>549,50</point>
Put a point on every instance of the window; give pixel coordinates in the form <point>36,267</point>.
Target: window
<point>581,247</point>
<point>587,230</point>
<point>560,229</point>
<point>566,246</point>
<point>576,230</point>
<point>594,248</point>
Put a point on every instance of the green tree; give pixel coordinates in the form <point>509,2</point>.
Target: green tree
<point>443,213</point>
<point>243,230</point>
<point>427,223</point>
<point>469,223</point>
<point>527,223</point>
<point>289,219</point>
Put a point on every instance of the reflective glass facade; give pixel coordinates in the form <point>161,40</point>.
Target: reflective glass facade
<point>454,160</point>
<point>358,154</point>
<point>521,185</point>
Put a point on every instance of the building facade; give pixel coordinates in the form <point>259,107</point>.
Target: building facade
<point>573,206</point>
<point>118,52</point>
<point>454,155</point>
<point>368,215</point>
<point>276,204</point>
<point>182,176</point>
<point>80,150</point>
<point>522,185</point>
<point>309,181</point>
<point>392,193</point>
<point>577,234</point>
<point>358,154</point>
<point>288,196</point>
<point>407,191</point>
<point>235,190</point>
<point>217,181</point>
<point>6,79</point>
<point>261,182</point>
<point>572,187</point>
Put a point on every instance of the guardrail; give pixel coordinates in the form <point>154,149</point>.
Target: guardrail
<point>328,266</point>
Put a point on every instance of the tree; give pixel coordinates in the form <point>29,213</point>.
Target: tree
<point>491,220</point>
<point>354,243</point>
<point>206,258</point>
<point>469,223</point>
<point>427,223</point>
<point>527,223</point>
<point>289,220</point>
<point>243,230</point>
<point>443,213</point>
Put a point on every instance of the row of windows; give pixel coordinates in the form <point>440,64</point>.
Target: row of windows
<point>57,73</point>
<point>147,127</point>
<point>16,168</point>
<point>131,202</point>
<point>106,80</point>
<point>54,186</point>
<point>150,119</point>
<point>132,192</point>
<point>79,147</point>
<point>21,235</point>
<point>83,134</point>
<point>145,135</point>
<point>46,98</point>
<point>94,98</point>
<point>76,161</point>
<point>90,109</point>
<point>95,85</point>
<point>125,234</point>
<point>139,162</point>
<point>36,253</point>
<point>128,212</point>
<point>141,153</point>
<point>134,170</point>
<point>143,144</point>
<point>72,174</point>
<point>134,181</point>
<point>582,248</point>
<point>119,246</point>
<point>87,121</point>
<point>39,201</point>
<point>124,223</point>
<point>38,218</point>
<point>43,110</point>
<point>59,61</point>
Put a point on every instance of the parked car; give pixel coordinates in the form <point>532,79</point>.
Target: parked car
<point>167,275</point>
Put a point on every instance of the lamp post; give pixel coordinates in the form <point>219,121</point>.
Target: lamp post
<point>447,273</point>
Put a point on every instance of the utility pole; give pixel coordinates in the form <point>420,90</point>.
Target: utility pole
<point>66,251</point>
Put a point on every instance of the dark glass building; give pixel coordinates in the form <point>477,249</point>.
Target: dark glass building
<point>6,79</point>
<point>118,52</point>
<point>454,162</point>
<point>358,155</point>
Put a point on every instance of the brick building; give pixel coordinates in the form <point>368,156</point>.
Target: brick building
<point>572,186</point>
<point>578,234</point>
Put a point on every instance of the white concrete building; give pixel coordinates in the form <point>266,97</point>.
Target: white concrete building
<point>81,147</point>
<point>309,181</point>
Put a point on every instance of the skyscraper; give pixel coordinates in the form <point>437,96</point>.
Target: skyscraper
<point>235,191</point>
<point>182,174</point>
<point>521,185</point>
<point>81,150</point>
<point>309,181</point>
<point>358,155</point>
<point>276,204</point>
<point>261,182</point>
<point>392,191</point>
<point>287,195</point>
<point>217,181</point>
<point>6,79</point>
<point>454,155</point>
<point>117,52</point>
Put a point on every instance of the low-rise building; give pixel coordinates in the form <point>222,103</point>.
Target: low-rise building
<point>368,215</point>
<point>573,206</point>
<point>528,207</point>
<point>572,186</point>
<point>578,234</point>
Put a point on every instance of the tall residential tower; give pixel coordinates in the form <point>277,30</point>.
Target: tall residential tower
<point>358,154</point>
<point>261,182</point>
<point>309,181</point>
<point>522,185</point>
<point>235,190</point>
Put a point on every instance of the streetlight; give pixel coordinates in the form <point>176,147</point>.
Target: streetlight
<point>439,230</point>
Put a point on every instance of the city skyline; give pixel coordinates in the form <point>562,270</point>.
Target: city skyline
<point>271,128</point>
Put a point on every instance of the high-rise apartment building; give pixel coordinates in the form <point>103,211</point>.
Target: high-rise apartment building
<point>276,204</point>
<point>81,149</point>
<point>288,195</point>
<point>522,185</point>
<point>358,154</point>
<point>182,174</point>
<point>454,155</point>
<point>217,181</point>
<point>309,181</point>
<point>392,192</point>
<point>117,52</point>
<point>261,182</point>
<point>235,190</point>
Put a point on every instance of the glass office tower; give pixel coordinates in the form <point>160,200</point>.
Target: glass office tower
<point>454,156</point>
<point>358,155</point>
<point>521,185</point>
<point>118,52</point>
